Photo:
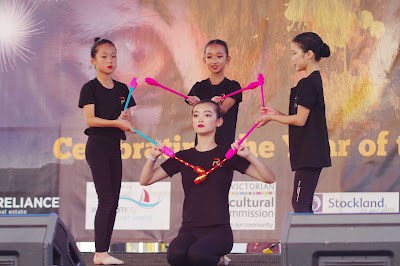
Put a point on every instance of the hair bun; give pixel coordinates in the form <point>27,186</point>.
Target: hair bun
<point>96,39</point>
<point>325,51</point>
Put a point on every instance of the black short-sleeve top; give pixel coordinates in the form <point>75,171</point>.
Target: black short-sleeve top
<point>225,134</point>
<point>309,144</point>
<point>108,104</point>
<point>206,203</point>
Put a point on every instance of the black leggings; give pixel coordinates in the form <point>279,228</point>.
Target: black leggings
<point>305,182</point>
<point>103,155</point>
<point>201,247</point>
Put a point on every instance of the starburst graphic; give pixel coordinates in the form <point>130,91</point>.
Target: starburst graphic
<point>17,27</point>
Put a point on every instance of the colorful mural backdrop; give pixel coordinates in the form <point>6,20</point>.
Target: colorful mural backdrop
<point>45,60</point>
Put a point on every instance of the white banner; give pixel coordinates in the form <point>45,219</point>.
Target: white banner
<point>356,202</point>
<point>252,206</point>
<point>140,207</point>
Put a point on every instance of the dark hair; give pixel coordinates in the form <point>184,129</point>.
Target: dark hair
<point>220,42</point>
<point>311,41</point>
<point>98,41</point>
<point>217,109</point>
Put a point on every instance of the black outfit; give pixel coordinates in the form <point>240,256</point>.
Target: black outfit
<point>309,144</point>
<point>103,154</point>
<point>305,182</point>
<point>205,234</point>
<point>225,134</point>
<point>108,104</point>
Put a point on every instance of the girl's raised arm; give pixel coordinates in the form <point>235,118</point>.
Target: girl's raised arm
<point>149,175</point>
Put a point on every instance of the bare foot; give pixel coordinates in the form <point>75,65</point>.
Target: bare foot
<point>103,258</point>
<point>224,260</point>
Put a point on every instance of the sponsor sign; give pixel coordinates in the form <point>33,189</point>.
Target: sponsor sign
<point>252,206</point>
<point>356,202</point>
<point>28,205</point>
<point>139,208</point>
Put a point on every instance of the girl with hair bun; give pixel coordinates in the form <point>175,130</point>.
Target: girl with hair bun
<point>308,134</point>
<point>103,101</point>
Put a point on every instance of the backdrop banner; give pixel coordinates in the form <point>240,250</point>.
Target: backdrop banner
<point>45,60</point>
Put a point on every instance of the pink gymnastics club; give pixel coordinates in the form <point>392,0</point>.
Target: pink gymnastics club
<point>251,86</point>
<point>261,82</point>
<point>155,83</point>
<point>132,86</point>
<point>167,151</point>
<point>229,154</point>
<point>133,83</point>
<point>233,151</point>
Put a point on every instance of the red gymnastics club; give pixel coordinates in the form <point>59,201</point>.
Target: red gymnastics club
<point>151,81</point>
<point>203,176</point>
<point>251,86</point>
<point>232,151</point>
<point>197,169</point>
<point>228,155</point>
<point>167,151</point>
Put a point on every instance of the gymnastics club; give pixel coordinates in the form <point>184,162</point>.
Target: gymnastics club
<point>261,82</point>
<point>132,86</point>
<point>231,151</point>
<point>228,155</point>
<point>151,81</point>
<point>203,177</point>
<point>167,151</point>
<point>251,86</point>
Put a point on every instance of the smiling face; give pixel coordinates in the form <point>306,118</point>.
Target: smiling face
<point>216,58</point>
<point>205,119</point>
<point>105,59</point>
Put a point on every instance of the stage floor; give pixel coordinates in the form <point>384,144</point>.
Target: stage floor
<point>157,259</point>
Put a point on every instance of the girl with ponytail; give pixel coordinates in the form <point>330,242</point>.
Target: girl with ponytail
<point>308,134</point>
